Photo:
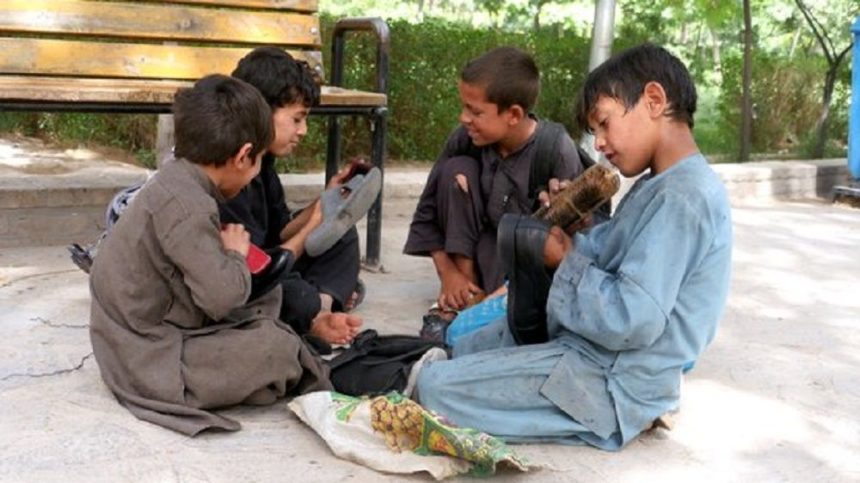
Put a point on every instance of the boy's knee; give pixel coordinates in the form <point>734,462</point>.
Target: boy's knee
<point>462,182</point>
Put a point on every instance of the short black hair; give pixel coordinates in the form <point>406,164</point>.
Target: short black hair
<point>282,79</point>
<point>216,117</point>
<point>509,77</point>
<point>623,77</point>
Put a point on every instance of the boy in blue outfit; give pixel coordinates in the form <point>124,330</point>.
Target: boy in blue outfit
<point>631,302</point>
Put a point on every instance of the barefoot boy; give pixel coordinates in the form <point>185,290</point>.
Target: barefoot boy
<point>169,324</point>
<point>318,289</point>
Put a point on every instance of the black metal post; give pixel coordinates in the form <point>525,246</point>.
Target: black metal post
<point>378,120</point>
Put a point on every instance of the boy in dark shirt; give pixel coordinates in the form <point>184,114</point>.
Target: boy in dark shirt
<point>483,173</point>
<point>317,290</point>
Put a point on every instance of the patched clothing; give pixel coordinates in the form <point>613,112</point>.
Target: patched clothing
<point>169,326</point>
<point>636,300</point>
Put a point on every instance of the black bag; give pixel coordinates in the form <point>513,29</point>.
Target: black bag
<point>377,364</point>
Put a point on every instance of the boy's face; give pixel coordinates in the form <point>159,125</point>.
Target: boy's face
<point>290,127</point>
<point>625,137</point>
<point>481,118</point>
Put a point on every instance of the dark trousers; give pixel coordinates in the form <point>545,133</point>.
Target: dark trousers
<point>335,273</point>
<point>462,219</point>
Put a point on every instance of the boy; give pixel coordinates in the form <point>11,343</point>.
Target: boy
<point>484,172</point>
<point>315,287</point>
<point>631,303</point>
<point>170,327</point>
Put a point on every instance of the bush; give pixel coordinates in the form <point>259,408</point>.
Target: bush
<point>423,102</point>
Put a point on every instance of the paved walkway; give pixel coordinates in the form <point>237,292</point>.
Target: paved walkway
<point>775,398</point>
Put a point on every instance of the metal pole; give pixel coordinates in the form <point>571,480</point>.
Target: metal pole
<point>854,119</point>
<point>603,32</point>
<point>601,48</point>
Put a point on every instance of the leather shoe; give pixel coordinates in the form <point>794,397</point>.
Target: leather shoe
<point>266,280</point>
<point>521,240</point>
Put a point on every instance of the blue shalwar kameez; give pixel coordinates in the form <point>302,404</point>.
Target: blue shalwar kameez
<point>637,299</point>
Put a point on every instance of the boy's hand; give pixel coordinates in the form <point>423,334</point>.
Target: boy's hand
<point>336,327</point>
<point>352,167</point>
<point>553,187</point>
<point>583,223</point>
<point>235,237</point>
<point>556,246</point>
<point>316,216</point>
<point>457,291</point>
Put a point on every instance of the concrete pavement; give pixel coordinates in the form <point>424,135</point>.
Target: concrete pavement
<point>775,398</point>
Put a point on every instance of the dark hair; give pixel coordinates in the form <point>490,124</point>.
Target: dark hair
<point>213,119</point>
<point>623,77</point>
<point>509,77</point>
<point>282,79</point>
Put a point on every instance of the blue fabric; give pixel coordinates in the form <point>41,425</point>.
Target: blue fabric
<point>476,317</point>
<point>637,299</point>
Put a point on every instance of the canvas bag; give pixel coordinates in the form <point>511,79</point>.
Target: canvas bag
<point>377,364</point>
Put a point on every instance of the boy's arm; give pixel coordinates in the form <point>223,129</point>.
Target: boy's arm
<point>218,279</point>
<point>628,308</point>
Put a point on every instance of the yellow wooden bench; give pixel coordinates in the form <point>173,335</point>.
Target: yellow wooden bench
<point>131,56</point>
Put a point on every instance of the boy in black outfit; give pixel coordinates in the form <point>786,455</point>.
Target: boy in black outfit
<point>484,172</point>
<point>317,290</point>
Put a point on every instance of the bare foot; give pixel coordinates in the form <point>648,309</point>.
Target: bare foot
<point>336,327</point>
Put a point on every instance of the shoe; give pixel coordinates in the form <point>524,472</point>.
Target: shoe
<point>521,240</point>
<point>81,257</point>
<point>434,328</point>
<point>582,196</point>
<point>269,277</point>
<point>360,291</point>
<point>342,213</point>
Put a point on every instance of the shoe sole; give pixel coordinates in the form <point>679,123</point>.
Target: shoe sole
<point>339,215</point>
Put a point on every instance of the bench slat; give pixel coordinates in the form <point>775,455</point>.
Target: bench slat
<point>297,5</point>
<point>103,59</point>
<point>159,22</point>
<point>125,91</point>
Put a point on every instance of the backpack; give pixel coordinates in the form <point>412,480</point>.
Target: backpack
<point>376,364</point>
<point>547,141</point>
<point>83,256</point>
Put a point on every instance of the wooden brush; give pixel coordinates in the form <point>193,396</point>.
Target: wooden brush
<point>581,196</point>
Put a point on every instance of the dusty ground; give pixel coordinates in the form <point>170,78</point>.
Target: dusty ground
<point>775,398</point>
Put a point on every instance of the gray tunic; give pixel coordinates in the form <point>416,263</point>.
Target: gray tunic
<point>170,329</point>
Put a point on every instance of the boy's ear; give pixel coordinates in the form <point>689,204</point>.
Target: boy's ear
<point>655,99</point>
<point>515,113</point>
<point>242,159</point>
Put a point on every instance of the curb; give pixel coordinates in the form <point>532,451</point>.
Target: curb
<point>57,209</point>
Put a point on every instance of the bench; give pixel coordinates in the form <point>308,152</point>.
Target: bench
<point>131,56</point>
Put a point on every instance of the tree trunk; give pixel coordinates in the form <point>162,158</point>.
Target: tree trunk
<point>746,108</point>
<point>824,119</point>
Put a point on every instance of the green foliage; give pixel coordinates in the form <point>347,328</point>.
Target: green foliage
<point>426,57</point>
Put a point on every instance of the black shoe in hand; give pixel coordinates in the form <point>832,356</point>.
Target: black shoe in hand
<point>521,241</point>
<point>269,277</point>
